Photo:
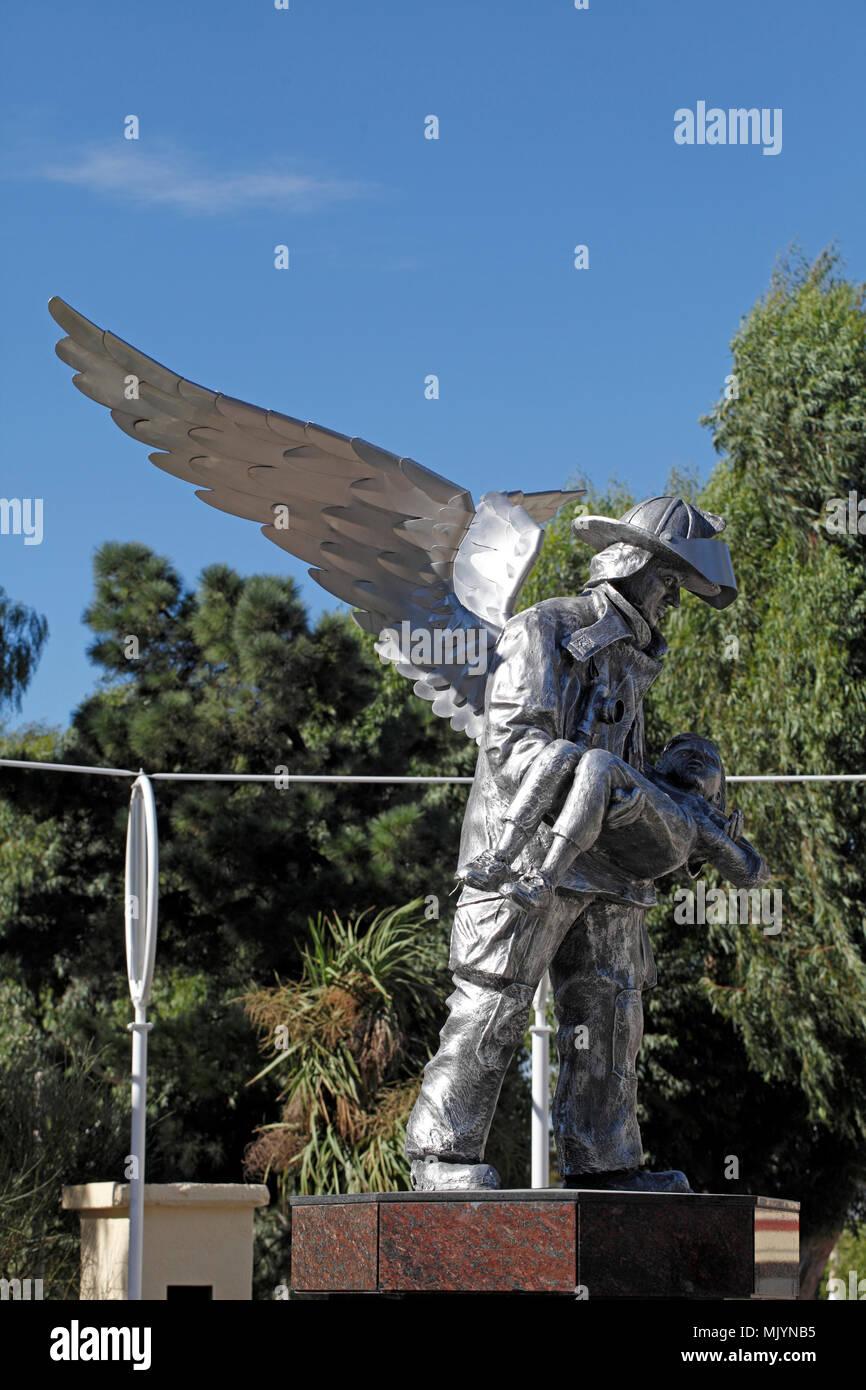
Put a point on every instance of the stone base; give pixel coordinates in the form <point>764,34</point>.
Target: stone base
<point>547,1241</point>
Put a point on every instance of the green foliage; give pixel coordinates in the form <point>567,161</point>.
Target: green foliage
<point>758,1042</point>
<point>58,1125</point>
<point>847,1257</point>
<point>794,433</point>
<point>22,638</point>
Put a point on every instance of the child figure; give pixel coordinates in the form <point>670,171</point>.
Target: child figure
<point>649,825</point>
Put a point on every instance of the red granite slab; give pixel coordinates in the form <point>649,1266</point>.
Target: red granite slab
<point>558,1241</point>
<point>334,1248</point>
<point>676,1249</point>
<point>477,1247</point>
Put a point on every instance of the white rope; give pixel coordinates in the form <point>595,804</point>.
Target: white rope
<point>222,776</point>
<point>804,777</point>
<point>345,777</point>
<point>68,767</point>
<point>286,777</point>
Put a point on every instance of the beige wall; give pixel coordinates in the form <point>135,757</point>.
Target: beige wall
<point>194,1233</point>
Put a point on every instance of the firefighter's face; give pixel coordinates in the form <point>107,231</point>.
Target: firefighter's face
<point>653,591</point>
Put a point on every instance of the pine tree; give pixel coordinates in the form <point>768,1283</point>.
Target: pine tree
<point>22,637</point>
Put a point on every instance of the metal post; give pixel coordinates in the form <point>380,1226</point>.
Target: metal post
<point>142,894</point>
<point>541,1087</point>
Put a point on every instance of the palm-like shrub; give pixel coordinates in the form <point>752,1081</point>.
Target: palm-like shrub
<point>350,1038</point>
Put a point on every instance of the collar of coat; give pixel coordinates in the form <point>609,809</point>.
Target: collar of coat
<point>616,619</point>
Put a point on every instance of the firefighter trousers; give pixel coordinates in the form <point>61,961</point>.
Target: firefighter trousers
<point>598,969</point>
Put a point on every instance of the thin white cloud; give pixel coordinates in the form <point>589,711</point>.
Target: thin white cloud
<point>169,179</point>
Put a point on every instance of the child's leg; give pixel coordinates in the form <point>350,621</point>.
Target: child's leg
<point>577,827</point>
<point>538,792</point>
<point>582,818</point>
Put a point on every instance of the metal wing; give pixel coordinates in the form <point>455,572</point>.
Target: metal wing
<point>405,546</point>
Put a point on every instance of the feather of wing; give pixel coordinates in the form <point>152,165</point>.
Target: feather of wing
<point>543,506</point>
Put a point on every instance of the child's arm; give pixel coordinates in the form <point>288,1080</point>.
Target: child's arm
<point>736,860</point>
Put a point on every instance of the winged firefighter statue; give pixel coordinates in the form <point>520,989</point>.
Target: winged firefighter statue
<point>553,696</point>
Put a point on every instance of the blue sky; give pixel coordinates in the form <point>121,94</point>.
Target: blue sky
<point>408,256</point>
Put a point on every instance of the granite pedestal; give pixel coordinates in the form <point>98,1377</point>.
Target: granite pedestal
<point>578,1244</point>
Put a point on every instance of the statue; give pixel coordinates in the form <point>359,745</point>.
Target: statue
<point>567,826</point>
<point>671,807</point>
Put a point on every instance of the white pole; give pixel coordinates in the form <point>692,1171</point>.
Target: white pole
<point>540,1087</point>
<point>139,1030</point>
<point>142,895</point>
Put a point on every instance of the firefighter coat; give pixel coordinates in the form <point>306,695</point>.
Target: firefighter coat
<point>567,666</point>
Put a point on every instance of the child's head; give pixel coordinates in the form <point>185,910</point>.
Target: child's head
<point>696,764</point>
